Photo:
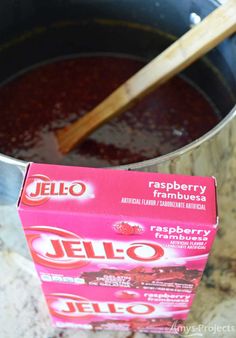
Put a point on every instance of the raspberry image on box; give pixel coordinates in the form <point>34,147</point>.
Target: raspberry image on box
<point>173,278</point>
<point>126,228</point>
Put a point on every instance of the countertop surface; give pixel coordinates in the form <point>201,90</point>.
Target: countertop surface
<point>23,312</point>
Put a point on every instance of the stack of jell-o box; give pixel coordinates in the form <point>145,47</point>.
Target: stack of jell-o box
<point>118,250</point>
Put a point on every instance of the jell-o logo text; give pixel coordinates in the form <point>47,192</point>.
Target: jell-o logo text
<point>66,305</point>
<point>40,189</point>
<point>53,247</point>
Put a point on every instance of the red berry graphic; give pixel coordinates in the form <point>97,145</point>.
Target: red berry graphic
<point>138,230</point>
<point>126,294</point>
<point>124,228</point>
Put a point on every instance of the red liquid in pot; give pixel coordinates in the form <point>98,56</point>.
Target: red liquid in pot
<point>35,104</point>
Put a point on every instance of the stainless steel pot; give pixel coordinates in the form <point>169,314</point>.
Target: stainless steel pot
<point>33,31</point>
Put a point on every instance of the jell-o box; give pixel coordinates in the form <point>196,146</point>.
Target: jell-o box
<point>101,308</point>
<point>117,228</point>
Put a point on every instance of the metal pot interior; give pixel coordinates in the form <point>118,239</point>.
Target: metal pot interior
<point>34,32</point>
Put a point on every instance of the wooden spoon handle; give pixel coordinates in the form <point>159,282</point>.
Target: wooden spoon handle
<point>220,24</point>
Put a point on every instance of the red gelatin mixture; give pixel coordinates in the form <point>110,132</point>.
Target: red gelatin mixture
<point>38,102</point>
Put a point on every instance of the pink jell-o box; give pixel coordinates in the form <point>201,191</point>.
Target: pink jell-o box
<point>118,228</point>
<point>101,308</point>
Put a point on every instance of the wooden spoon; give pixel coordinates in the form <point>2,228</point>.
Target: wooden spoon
<point>217,26</point>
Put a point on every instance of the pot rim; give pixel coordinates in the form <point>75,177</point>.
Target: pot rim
<point>154,161</point>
